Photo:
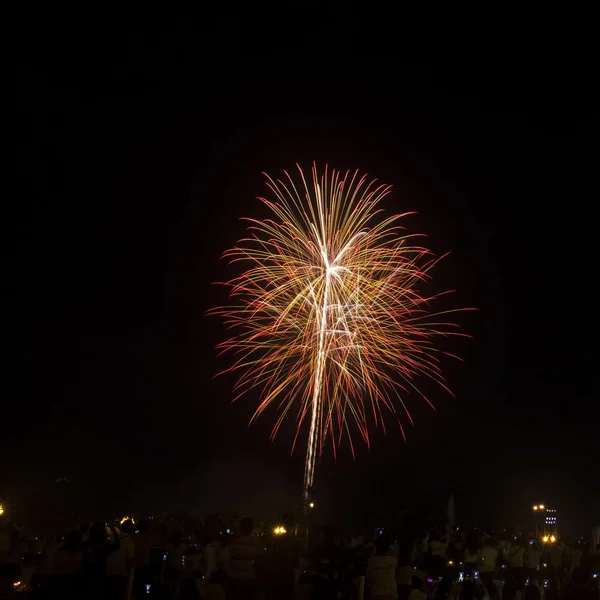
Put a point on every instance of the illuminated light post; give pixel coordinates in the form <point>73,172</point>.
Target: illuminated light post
<point>537,509</point>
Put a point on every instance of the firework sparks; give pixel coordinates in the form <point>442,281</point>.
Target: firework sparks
<point>328,318</point>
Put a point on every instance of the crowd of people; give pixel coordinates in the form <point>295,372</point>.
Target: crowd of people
<point>152,559</point>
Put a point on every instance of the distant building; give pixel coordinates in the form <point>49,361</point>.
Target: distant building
<point>551,520</point>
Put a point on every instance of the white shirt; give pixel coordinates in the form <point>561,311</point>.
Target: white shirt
<point>516,557</point>
<point>210,558</point>
<point>382,576</point>
<point>488,556</point>
<point>117,563</point>
<point>417,595</point>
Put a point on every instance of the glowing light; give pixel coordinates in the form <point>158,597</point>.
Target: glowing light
<point>542,507</point>
<point>312,505</point>
<point>279,531</point>
<point>1,509</point>
<point>127,519</point>
<point>330,316</point>
<point>545,539</point>
<point>552,538</point>
<point>535,507</point>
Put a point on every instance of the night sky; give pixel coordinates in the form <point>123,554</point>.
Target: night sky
<point>136,159</point>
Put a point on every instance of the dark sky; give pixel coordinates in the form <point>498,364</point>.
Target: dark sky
<point>136,158</point>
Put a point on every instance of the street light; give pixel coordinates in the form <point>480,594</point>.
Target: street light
<point>542,507</point>
<point>1,509</point>
<point>312,504</point>
<point>535,507</point>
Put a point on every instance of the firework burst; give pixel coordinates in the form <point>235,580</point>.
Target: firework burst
<point>329,318</point>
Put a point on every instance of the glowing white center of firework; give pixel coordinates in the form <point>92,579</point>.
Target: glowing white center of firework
<point>316,400</point>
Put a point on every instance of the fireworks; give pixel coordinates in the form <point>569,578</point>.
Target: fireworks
<point>328,319</point>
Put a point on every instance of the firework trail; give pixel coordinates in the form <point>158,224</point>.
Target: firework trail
<point>328,317</point>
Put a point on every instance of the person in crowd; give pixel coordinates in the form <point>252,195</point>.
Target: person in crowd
<point>556,562</point>
<point>175,561</point>
<point>5,542</point>
<point>515,555</point>
<point>488,565</point>
<point>575,557</point>
<point>587,558</point>
<point>471,555</point>
<point>404,571</point>
<point>532,592</point>
<point>328,562</point>
<point>213,589</point>
<point>552,592</point>
<point>95,554</point>
<point>437,548</point>
<point>241,571</point>
<point>68,562</point>
<point>68,559</point>
<point>19,549</point>
<point>580,587</point>
<point>210,557</point>
<point>28,570</point>
<point>52,547</point>
<point>276,567</point>
<point>533,560</point>
<point>143,542</point>
<point>470,591</point>
<point>39,544</point>
<point>509,589</point>
<point>418,586</point>
<point>120,563</point>
<point>456,546</point>
<point>223,553</point>
<point>381,571</point>
<point>188,590</point>
<point>84,532</point>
